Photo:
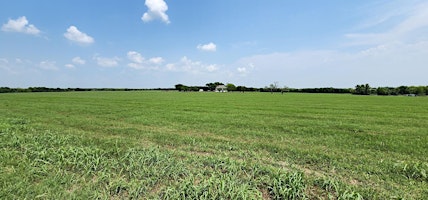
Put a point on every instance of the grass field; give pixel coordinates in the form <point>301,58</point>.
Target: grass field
<point>171,145</point>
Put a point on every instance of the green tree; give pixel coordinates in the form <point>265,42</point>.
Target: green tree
<point>362,89</point>
<point>212,86</point>
<point>231,87</point>
<point>420,91</point>
<point>366,89</point>
<point>403,90</point>
<point>181,87</point>
<point>382,91</point>
<point>241,88</point>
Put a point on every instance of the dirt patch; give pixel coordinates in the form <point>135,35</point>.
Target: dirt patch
<point>354,182</point>
<point>265,194</point>
<point>311,172</point>
<point>202,153</point>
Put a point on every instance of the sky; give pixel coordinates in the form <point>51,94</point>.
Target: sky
<point>253,43</point>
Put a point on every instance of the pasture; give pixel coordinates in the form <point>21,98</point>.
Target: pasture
<point>177,145</point>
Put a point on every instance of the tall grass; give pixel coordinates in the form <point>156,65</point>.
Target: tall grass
<point>169,145</point>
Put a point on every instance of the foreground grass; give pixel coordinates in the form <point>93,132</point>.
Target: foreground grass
<point>172,145</point>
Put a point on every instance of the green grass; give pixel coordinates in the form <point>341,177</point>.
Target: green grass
<point>170,145</point>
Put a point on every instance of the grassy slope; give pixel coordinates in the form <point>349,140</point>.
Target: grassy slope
<point>342,144</point>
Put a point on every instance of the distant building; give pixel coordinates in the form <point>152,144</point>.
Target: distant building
<point>221,88</point>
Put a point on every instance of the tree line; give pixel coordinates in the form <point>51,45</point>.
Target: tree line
<point>365,89</point>
<point>46,89</point>
<point>362,89</point>
<point>212,86</point>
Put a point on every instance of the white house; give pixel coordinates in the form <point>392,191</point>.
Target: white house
<point>221,88</point>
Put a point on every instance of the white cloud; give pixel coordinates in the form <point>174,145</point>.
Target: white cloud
<point>156,60</point>
<point>139,62</point>
<point>171,67</point>
<point>157,10</point>
<point>187,65</point>
<point>211,68</point>
<point>73,34</point>
<point>48,65</point>
<point>403,24</point>
<point>70,66</point>
<point>78,61</point>
<point>242,70</point>
<point>107,62</point>
<point>207,47</point>
<point>135,57</point>
<point>20,25</point>
<point>245,70</point>
<point>383,65</point>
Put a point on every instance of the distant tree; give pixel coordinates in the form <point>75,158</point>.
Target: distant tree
<point>231,87</point>
<point>273,87</point>
<point>403,90</point>
<point>357,89</point>
<point>382,91</point>
<point>412,90</point>
<point>212,86</point>
<point>193,88</point>
<point>241,88</point>
<point>5,90</point>
<point>362,89</point>
<point>420,91</point>
<point>366,89</point>
<point>285,89</point>
<point>179,87</point>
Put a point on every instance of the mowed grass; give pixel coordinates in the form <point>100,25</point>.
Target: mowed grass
<point>171,145</point>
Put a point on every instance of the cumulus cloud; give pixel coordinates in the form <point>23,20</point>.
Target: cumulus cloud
<point>245,69</point>
<point>156,10</point>
<point>156,60</point>
<point>73,34</point>
<point>107,62</point>
<point>187,65</point>
<point>135,57</point>
<point>139,62</point>
<point>48,65</point>
<point>20,25</point>
<point>207,47</point>
<point>78,61</point>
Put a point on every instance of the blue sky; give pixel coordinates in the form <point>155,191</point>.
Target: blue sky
<point>160,43</point>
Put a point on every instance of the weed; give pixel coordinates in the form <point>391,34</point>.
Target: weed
<point>416,170</point>
<point>287,186</point>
